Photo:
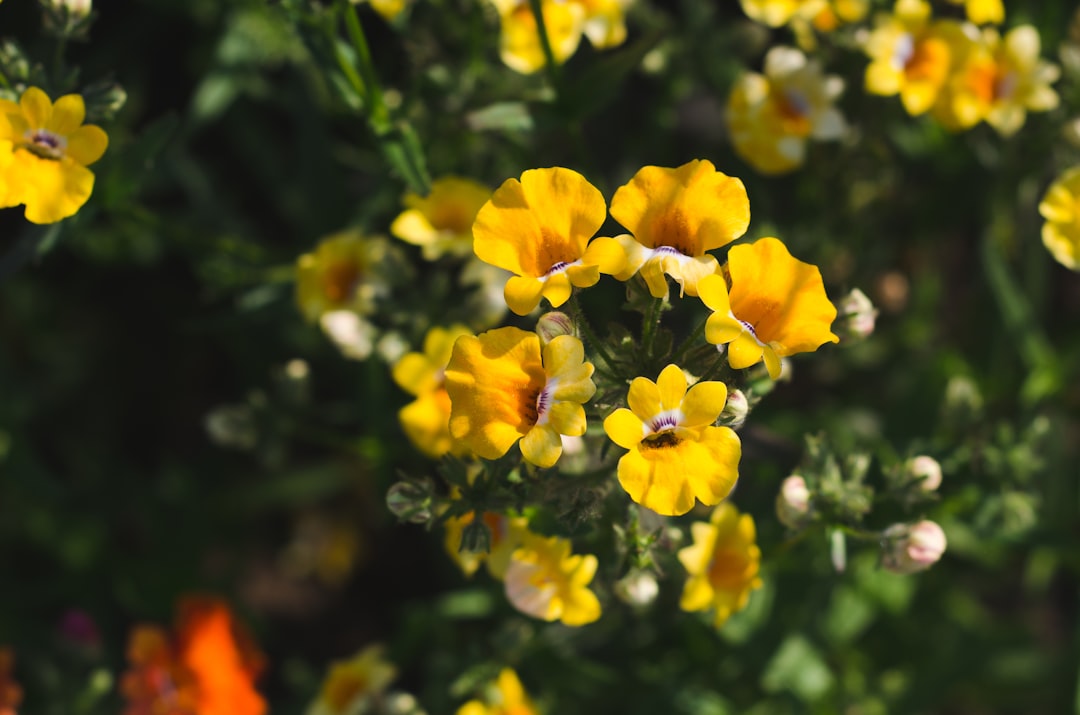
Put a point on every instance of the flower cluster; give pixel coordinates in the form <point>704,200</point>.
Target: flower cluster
<point>722,563</point>
<point>45,150</point>
<point>209,668</point>
<point>565,21</point>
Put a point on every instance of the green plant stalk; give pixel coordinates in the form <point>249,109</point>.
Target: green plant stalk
<point>378,115</point>
<point>550,64</point>
<point>590,337</point>
<point>690,339</point>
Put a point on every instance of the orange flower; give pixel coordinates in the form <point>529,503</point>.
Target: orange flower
<point>209,670</point>
<point>10,692</point>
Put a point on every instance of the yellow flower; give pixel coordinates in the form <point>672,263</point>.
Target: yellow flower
<point>983,12</point>
<point>506,534</point>
<point>775,13</point>
<point>508,698</point>
<point>543,580</point>
<point>776,306</point>
<point>44,151</point>
<point>1061,209</point>
<point>772,116</point>
<point>388,9</point>
<point>426,420</point>
<point>519,43</point>
<point>339,275</point>
<point>676,454</point>
<point>605,24</point>
<point>675,216</point>
<point>504,388</point>
<point>539,230</point>
<point>441,223</point>
<point>910,56</point>
<point>722,563</point>
<point>998,81</point>
<point>351,684</point>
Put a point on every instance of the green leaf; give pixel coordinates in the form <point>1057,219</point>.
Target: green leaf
<point>798,667</point>
<point>590,90</point>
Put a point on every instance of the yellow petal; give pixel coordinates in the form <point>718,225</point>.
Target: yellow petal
<point>583,276</point>
<point>36,107</point>
<point>743,352</point>
<point>522,294</point>
<point>414,374</point>
<point>52,190</point>
<point>86,144</point>
<point>714,294</point>
<point>606,253</point>
<point>644,398</point>
<point>713,480</point>
<point>624,428</point>
<point>426,421</point>
<point>67,115</point>
<point>655,278</point>
<point>703,403</point>
<point>672,387</point>
<point>542,445</point>
<point>655,477</point>
<point>567,418</point>
<point>692,208</point>
<point>557,289</point>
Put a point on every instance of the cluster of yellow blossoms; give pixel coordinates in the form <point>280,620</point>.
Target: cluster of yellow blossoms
<point>480,395</point>
<point>565,21</point>
<point>44,151</point>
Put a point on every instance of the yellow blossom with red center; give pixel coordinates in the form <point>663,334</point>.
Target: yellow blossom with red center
<point>771,116</point>
<point>426,420</point>
<point>722,564</point>
<point>503,388</point>
<point>910,55</point>
<point>340,274</point>
<point>506,697</point>
<point>506,534</point>
<point>675,216</point>
<point>999,80</point>
<point>350,685</point>
<point>44,151</point>
<point>539,229</point>
<point>1060,207</point>
<point>441,222</point>
<point>676,454</point>
<point>776,306</point>
<point>544,580</point>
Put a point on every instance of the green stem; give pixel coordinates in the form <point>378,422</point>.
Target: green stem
<point>650,322</point>
<point>689,342</point>
<point>590,337</point>
<point>4,81</point>
<point>550,64</point>
<point>377,112</point>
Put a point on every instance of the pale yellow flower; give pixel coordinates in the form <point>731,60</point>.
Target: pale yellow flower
<point>441,222</point>
<point>722,564</point>
<point>520,46</point>
<point>350,685</point>
<point>507,697</point>
<point>1061,209</point>
<point>545,581</point>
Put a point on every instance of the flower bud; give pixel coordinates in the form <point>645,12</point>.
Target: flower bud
<point>926,471</point>
<point>855,316</point>
<point>552,325</point>
<point>638,588</point>
<point>76,8</point>
<point>793,503</point>
<point>735,410</point>
<point>910,548</point>
<point>411,500</point>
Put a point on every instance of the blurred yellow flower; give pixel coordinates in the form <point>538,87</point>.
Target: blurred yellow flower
<point>605,22</point>
<point>722,564</point>
<point>426,420</point>
<point>545,581</point>
<point>1061,209</point>
<point>508,697</point>
<point>999,81</point>
<point>340,275</point>
<point>775,13</point>
<point>503,388</point>
<point>776,306</point>
<point>771,116</point>
<point>910,55</point>
<point>441,222</point>
<point>388,9</point>
<point>539,230</point>
<point>676,454</point>
<point>506,534</point>
<point>675,216</point>
<point>44,151</point>
<point>519,44</point>
<point>350,685</point>
<point>983,12</point>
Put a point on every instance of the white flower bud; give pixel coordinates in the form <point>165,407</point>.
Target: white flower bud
<point>735,409</point>
<point>552,325</point>
<point>793,502</point>
<point>910,548</point>
<point>638,588</point>
<point>926,470</point>
<point>856,316</point>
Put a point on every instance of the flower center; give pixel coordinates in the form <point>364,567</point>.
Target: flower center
<point>1005,85</point>
<point>727,570</point>
<point>666,420</point>
<point>671,231</point>
<point>45,144</point>
<point>339,281</point>
<point>556,268</point>
<point>544,401</point>
<point>903,51</point>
